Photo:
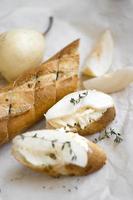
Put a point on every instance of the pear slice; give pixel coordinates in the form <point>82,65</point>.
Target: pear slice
<point>100,58</point>
<point>111,82</point>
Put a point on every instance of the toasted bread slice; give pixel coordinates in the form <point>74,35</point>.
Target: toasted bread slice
<point>85,112</point>
<point>58,152</point>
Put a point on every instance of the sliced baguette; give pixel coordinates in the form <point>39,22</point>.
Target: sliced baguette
<point>25,100</point>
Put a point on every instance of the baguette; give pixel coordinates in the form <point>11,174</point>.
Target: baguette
<point>25,100</point>
<point>85,112</point>
<point>58,152</point>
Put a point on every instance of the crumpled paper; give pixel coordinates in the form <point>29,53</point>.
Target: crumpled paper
<point>115,180</point>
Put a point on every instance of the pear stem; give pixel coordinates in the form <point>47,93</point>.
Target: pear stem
<point>51,19</point>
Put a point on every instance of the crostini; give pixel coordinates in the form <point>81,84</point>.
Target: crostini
<point>58,152</point>
<point>86,112</point>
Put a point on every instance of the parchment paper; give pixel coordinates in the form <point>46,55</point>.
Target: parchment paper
<point>85,20</point>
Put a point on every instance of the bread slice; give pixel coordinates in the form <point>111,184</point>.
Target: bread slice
<point>85,112</point>
<point>58,152</point>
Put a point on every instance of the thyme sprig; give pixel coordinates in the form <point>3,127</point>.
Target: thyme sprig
<point>53,143</point>
<point>74,157</point>
<point>34,136</point>
<point>81,96</point>
<point>108,134</point>
<point>66,143</point>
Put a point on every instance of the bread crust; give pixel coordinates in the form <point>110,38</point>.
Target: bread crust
<point>25,101</point>
<point>98,125</point>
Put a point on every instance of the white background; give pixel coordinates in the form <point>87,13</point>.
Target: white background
<point>85,19</point>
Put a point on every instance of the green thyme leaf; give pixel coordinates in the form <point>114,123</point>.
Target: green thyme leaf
<point>34,136</point>
<point>53,143</point>
<point>74,157</point>
<point>68,143</point>
<point>81,96</point>
<point>108,134</point>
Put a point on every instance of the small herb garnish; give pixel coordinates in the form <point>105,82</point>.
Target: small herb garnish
<point>107,134</point>
<point>10,107</point>
<point>74,157</point>
<point>67,131</point>
<point>70,126</point>
<point>76,188</point>
<point>57,74</point>
<point>29,85</point>
<point>63,146</point>
<point>81,96</point>
<point>91,120</point>
<point>69,144</point>
<point>37,76</point>
<point>53,143</point>
<point>34,136</point>
<point>52,156</point>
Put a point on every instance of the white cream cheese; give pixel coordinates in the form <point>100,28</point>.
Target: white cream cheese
<point>82,111</point>
<point>82,119</point>
<point>52,147</point>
